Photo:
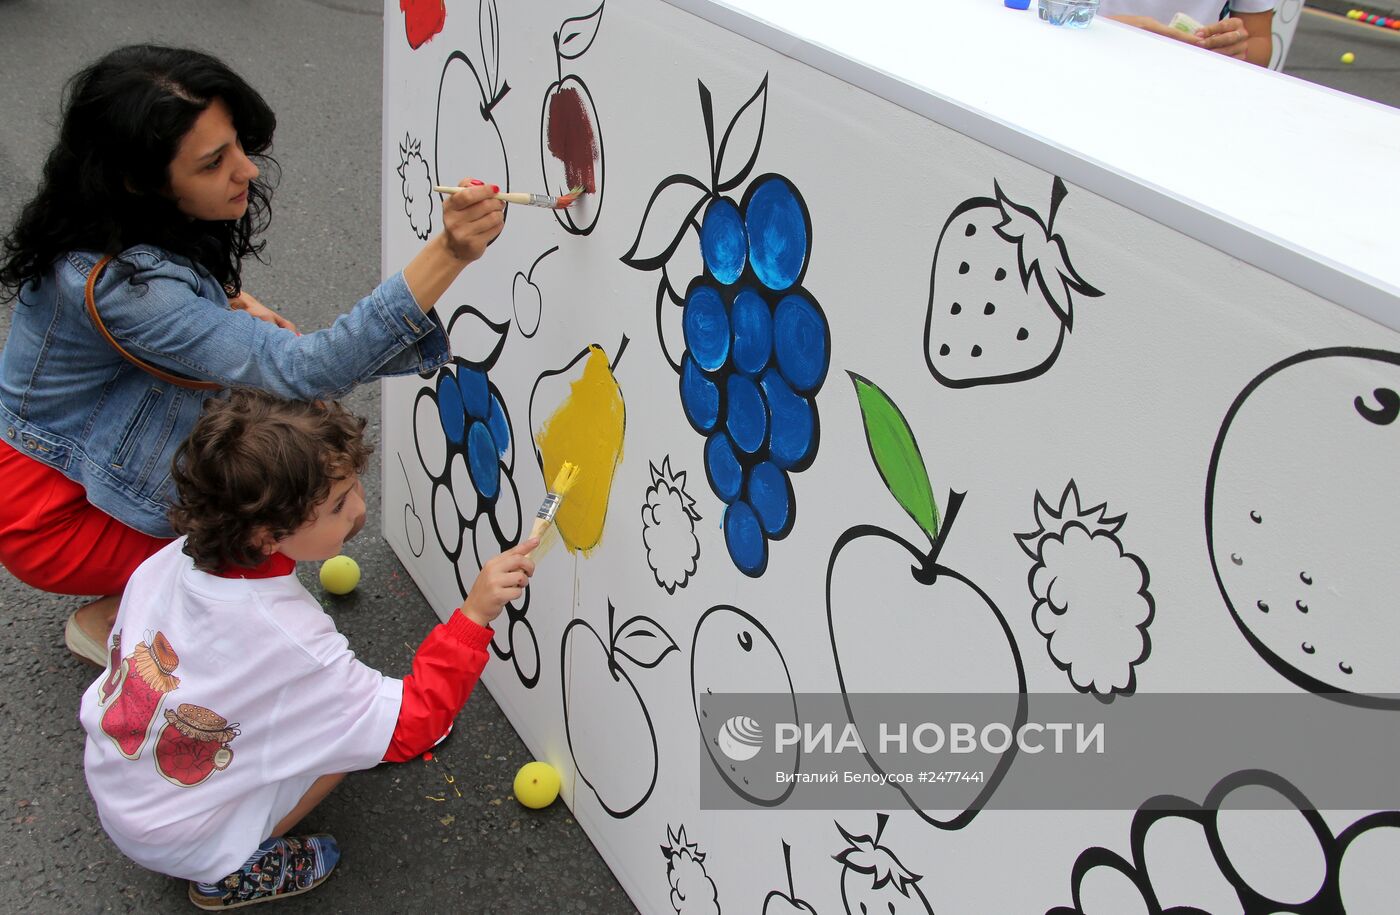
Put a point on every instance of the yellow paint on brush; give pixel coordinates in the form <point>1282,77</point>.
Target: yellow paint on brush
<point>587,431</point>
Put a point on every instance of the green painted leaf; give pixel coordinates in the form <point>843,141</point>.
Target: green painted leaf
<point>897,455</point>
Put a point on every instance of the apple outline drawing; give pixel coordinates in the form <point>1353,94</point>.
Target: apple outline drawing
<point>896,455</point>
<point>653,645</point>
<point>578,34</point>
<point>490,94</point>
<point>528,277</point>
<point>1225,559</point>
<point>1329,898</point>
<point>775,898</point>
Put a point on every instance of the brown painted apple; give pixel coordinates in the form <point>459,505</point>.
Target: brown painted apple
<point>571,137</point>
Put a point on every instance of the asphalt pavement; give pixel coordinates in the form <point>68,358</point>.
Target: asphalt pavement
<point>318,63</point>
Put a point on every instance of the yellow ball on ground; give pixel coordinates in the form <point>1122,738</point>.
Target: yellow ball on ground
<point>1348,58</point>
<point>340,574</point>
<point>536,785</point>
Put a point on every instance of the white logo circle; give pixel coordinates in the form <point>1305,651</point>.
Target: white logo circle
<point>741,738</point>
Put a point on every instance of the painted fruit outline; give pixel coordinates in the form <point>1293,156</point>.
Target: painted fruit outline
<point>571,136</point>
<point>757,344</point>
<point>969,339</point>
<point>470,417</point>
<point>1293,545</point>
<point>763,669</point>
<point>461,149</point>
<point>979,629</point>
<point>587,427</point>
<point>873,880</point>
<point>422,19</point>
<point>641,641</point>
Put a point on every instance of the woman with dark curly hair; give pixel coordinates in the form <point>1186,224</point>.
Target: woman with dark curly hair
<point>130,312</point>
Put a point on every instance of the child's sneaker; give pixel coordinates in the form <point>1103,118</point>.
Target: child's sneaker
<point>278,869</point>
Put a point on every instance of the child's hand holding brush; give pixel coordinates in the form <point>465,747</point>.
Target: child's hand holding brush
<point>502,579</point>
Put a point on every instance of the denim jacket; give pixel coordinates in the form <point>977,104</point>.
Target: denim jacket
<point>68,399</point>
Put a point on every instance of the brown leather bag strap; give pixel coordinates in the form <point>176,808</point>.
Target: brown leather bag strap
<point>137,361</point>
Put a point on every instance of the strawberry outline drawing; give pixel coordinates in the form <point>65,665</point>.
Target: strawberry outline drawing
<point>890,881</point>
<point>982,329</point>
<point>693,891</point>
<point>1092,603</point>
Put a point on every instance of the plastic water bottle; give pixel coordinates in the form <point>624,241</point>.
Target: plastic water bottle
<point>1073,13</point>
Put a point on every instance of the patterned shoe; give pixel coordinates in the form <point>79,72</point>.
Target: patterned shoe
<point>278,869</point>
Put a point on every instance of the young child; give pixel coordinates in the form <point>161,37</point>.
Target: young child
<point>231,705</point>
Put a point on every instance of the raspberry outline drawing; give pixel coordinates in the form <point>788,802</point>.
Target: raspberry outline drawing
<point>978,332</point>
<point>693,891</point>
<point>416,188</point>
<point>672,554</point>
<point>1066,539</point>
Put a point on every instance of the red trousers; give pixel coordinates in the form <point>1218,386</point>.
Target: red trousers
<point>53,539</point>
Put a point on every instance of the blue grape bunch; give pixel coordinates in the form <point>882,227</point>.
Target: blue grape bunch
<point>757,344</point>
<point>474,423</point>
<point>757,349</point>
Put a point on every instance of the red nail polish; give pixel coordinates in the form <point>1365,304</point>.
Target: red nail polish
<point>476,183</point>
<point>495,188</point>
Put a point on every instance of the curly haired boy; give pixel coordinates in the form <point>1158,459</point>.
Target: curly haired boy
<point>231,705</point>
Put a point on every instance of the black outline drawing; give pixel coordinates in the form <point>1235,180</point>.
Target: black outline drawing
<point>925,570</point>
<point>1054,525</point>
<point>578,35</point>
<point>647,645</point>
<point>1021,227</point>
<point>410,509</point>
<point>865,855</point>
<point>674,485</point>
<point>674,210</point>
<point>411,150</point>
<point>710,736</point>
<point>686,901</point>
<point>1384,413</point>
<point>790,897</point>
<point>520,634</point>
<point>1328,899</point>
<point>515,298</point>
<point>491,93</point>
